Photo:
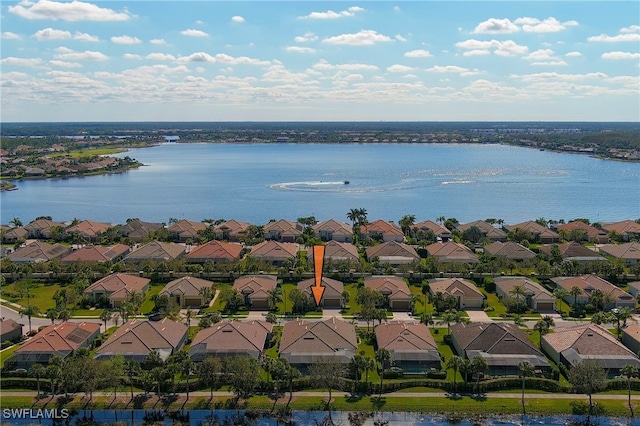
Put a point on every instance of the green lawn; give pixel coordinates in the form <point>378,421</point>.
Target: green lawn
<point>445,350</point>
<point>41,295</point>
<point>5,354</point>
<point>419,308</point>
<point>354,306</point>
<point>494,302</point>
<point>148,304</point>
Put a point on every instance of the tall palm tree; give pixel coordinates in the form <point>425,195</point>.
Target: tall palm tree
<point>37,371</point>
<point>447,318</point>
<point>427,319</point>
<point>519,292</point>
<point>105,316</point>
<point>29,311</point>
<point>526,370</point>
<point>560,293</point>
<point>382,357</point>
<point>406,222</point>
<point>456,363</point>
<point>478,365</point>
<point>52,314</point>
<point>575,291</point>
<point>541,327</point>
<point>629,371</point>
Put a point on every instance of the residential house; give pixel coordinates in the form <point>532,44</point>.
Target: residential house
<point>631,337</point>
<point>156,251</point>
<point>186,230</point>
<point>488,231</point>
<point>188,291</point>
<point>10,330</point>
<point>441,233</point>
<point>382,230</point>
<point>215,252</point>
<point>39,251</point>
<point>55,340</point>
<point>283,230</point>
<point>536,296</point>
<point>393,253</point>
<point>97,254</point>
<point>137,231</point>
<point>394,289</point>
<point>231,338</point>
<point>410,344</point>
<point>332,230</point>
<point>305,342</point>
<point>450,252</point>
<point>574,229</point>
<point>614,296</point>
<point>13,235</point>
<point>231,230</point>
<point>88,229</point>
<point>539,233</point>
<point>502,345</point>
<point>627,228</point>
<point>136,339</point>
<point>275,252</point>
<point>335,251</point>
<point>464,290</point>
<point>629,252</point>
<point>509,250</point>
<point>255,289</point>
<point>572,345</point>
<point>41,228</point>
<point>573,251</point>
<point>332,295</point>
<point>117,288</point>
<point>634,288</point>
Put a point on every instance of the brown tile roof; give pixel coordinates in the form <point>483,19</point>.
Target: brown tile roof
<point>588,283</point>
<point>591,231</point>
<point>510,250</point>
<point>493,338</point>
<point>332,288</point>
<point>215,251</point>
<point>535,228</point>
<point>186,229</point>
<point>283,229</point>
<point>187,286</point>
<point>454,286</point>
<point>318,337</point>
<point>91,253</point>
<point>334,228</point>
<point>257,286</point>
<point>437,229</point>
<point>137,230</point>
<point>633,331</point>
<point>231,338</point>
<point>393,252</point>
<point>532,288</point>
<point>573,250</point>
<point>625,227</point>
<point>7,325</point>
<point>587,339</point>
<point>274,251</point>
<point>64,337</point>
<point>335,250</point>
<point>232,229</point>
<point>381,227</point>
<point>401,336</point>
<point>39,251</point>
<point>487,229</point>
<point>393,286</point>
<point>15,233</point>
<point>42,226</point>
<point>141,337</point>
<point>88,228</point>
<point>627,251</point>
<point>452,252</point>
<point>156,250</point>
<point>116,285</point>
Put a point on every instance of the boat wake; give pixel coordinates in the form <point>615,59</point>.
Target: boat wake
<point>311,185</point>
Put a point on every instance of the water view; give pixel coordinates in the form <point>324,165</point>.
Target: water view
<point>258,182</point>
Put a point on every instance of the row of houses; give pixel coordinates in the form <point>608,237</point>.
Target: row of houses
<point>304,343</point>
<point>289,231</point>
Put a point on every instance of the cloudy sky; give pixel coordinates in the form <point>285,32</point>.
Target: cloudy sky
<point>320,61</point>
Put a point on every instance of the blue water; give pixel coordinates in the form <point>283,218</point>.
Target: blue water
<point>259,182</point>
<point>303,418</point>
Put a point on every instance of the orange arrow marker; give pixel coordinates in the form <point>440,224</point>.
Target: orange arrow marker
<point>318,262</point>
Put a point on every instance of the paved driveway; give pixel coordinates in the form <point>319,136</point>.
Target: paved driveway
<point>478,315</point>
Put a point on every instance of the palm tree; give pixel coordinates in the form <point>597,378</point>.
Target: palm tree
<point>37,371</point>
<point>526,370</point>
<point>15,222</point>
<point>541,327</point>
<point>549,320</point>
<point>29,311</point>
<point>105,316</point>
<point>575,292</point>
<point>629,371</point>
<point>478,365</point>
<point>406,222</point>
<point>447,318</point>
<point>52,314</point>
<point>188,315</point>
<point>456,363</point>
<point>518,291</point>
<point>441,219</point>
<point>275,296</point>
<point>64,315</point>
<point>186,367</point>
<point>382,357</point>
<point>560,294</point>
<point>427,319</point>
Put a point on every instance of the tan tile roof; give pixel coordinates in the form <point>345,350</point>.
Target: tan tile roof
<point>328,336</point>
<point>42,226</point>
<point>395,287</point>
<point>156,250</point>
<point>487,229</point>
<point>532,288</point>
<point>633,331</point>
<point>64,337</point>
<point>437,229</point>
<point>88,228</point>
<point>215,250</point>
<point>91,253</point>
<point>578,224</point>
<point>39,251</point>
<point>257,286</point>
<point>381,227</point>
<point>338,251</point>
<point>404,336</point>
<point>510,250</point>
<point>7,325</point>
<point>493,338</point>
<point>333,227</point>
<point>275,250</point>
<point>624,227</point>
<point>333,288</point>
<point>138,337</point>
<point>118,282</point>
<point>535,228</point>
<point>588,283</point>
<point>392,251</point>
<point>284,228</point>
<point>15,233</point>
<point>454,286</point>
<point>627,251</point>
<point>452,252</point>
<point>137,229</point>
<point>587,339</point>
<point>186,229</point>
<point>234,228</point>
<point>572,250</point>
<point>231,337</point>
<point>187,286</point>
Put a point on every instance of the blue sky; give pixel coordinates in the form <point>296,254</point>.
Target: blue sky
<point>320,61</point>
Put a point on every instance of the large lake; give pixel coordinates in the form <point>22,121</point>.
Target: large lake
<point>259,182</point>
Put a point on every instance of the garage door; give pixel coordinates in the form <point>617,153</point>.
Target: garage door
<point>545,306</point>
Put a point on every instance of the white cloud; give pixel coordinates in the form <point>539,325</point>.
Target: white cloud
<point>194,33</point>
<point>573,54</point>
<point>361,38</point>
<point>330,14</point>
<point>125,39</point>
<point>630,29</point>
<point>554,62</point>
<point>400,38</point>
<point>500,48</point>
<point>7,35</point>
<point>400,68</point>
<point>496,26</point>
<point>160,57</point>
<point>299,49</point>
<point>620,55</point>
<point>549,25</point>
<point>453,69</point>
<point>131,56</point>
<point>66,53</point>
<point>157,41</point>
<point>237,19</point>
<point>222,58</point>
<point>477,52</point>
<point>21,62</point>
<point>549,76</point>
<point>85,37</point>
<point>307,37</point>
<point>323,65</point>
<point>67,11</point>
<point>51,34</point>
<point>64,64</point>
<point>540,54</point>
<point>617,38</point>
<point>420,53</point>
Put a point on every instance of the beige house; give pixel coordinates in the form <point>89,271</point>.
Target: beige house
<point>537,297</point>
<point>337,252</point>
<point>185,230</point>
<point>573,251</point>
<point>441,233</point>
<point>10,330</point>
<point>187,291</point>
<point>393,252</point>
<point>88,229</point>
<point>591,233</point>
<point>465,291</point>
<point>231,338</point>
<point>510,250</point>
<point>332,295</point>
<point>136,230</point>
<point>382,230</point>
<point>117,288</point>
<point>41,228</point>
<point>275,252</point>
<point>488,230</point>
<point>255,289</point>
<point>97,254</point>
<point>231,230</point>
<point>394,289</point>
<point>450,252</point>
<point>588,283</point>
<point>333,230</point>
<point>627,228</point>
<point>215,251</point>
<point>631,337</point>
<point>410,344</point>
<point>540,234</point>
<point>629,252</point>
<point>156,251</point>
<point>39,251</point>
<point>283,230</point>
